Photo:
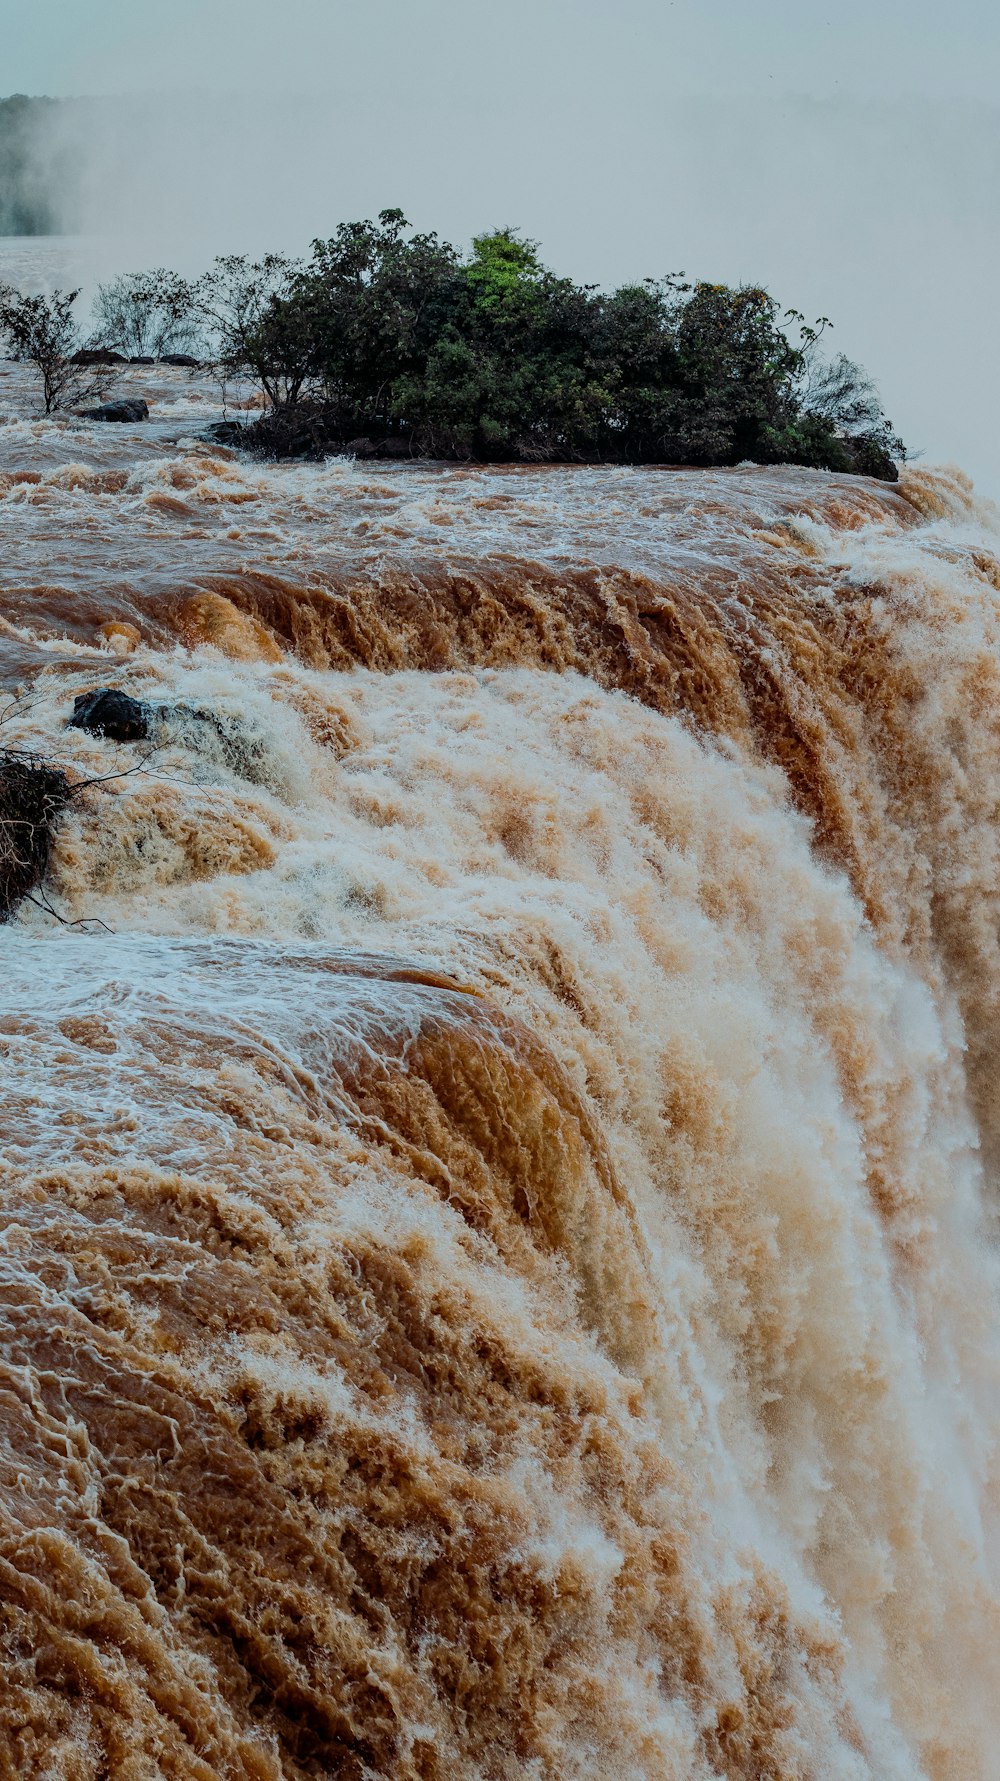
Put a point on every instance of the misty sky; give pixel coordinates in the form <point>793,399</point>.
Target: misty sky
<point>609,54</point>
<point>847,155</point>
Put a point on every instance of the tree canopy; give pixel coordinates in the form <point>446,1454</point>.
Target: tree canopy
<point>395,337</point>
<point>392,341</point>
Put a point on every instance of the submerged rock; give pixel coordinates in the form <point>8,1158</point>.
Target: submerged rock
<point>110,712</point>
<point>132,409</point>
<point>107,711</point>
<point>225,432</point>
<point>32,795</point>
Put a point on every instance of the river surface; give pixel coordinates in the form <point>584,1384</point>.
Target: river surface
<point>500,1137</point>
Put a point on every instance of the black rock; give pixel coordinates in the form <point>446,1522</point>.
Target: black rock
<point>109,712</point>
<point>180,358</point>
<point>141,359</point>
<point>361,448</point>
<point>225,432</point>
<point>98,355</point>
<point>132,410</point>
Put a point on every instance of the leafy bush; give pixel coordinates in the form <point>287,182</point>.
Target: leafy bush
<point>147,314</point>
<point>43,332</point>
<point>394,341</point>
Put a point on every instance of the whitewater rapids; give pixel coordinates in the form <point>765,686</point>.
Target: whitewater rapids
<point>498,1186</point>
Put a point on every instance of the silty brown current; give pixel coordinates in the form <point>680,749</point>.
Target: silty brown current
<point>498,1223</point>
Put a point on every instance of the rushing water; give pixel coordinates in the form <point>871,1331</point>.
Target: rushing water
<point>498,1180</point>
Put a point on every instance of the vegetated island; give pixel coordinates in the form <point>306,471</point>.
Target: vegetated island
<point>388,342</point>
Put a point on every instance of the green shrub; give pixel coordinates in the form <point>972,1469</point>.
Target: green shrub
<point>396,339</point>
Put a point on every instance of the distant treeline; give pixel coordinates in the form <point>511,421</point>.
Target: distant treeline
<point>32,181</point>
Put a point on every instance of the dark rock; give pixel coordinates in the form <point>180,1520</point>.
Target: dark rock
<point>305,429</point>
<point>107,711</point>
<point>308,429</point>
<point>225,432</point>
<point>134,409</point>
<point>98,355</point>
<point>141,359</point>
<point>181,358</point>
<point>32,795</point>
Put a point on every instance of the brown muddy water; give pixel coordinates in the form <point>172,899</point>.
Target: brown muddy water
<point>500,1133</point>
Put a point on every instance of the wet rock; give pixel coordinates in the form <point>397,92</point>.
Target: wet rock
<point>98,355</point>
<point>110,712</point>
<point>309,429</point>
<point>134,409</point>
<point>181,358</point>
<point>300,430</point>
<point>107,711</point>
<point>225,432</point>
<point>32,795</point>
<point>142,359</point>
<point>224,741</point>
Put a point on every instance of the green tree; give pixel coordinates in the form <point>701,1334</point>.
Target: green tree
<point>43,332</point>
<point>514,373</point>
<point>376,299</point>
<point>254,329</point>
<point>147,314</point>
<point>394,336</point>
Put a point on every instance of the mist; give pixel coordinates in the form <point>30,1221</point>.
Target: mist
<point>850,163</point>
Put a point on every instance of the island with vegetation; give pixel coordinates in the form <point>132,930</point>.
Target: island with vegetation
<point>391,342</point>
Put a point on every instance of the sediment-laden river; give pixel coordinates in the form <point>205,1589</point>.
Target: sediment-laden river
<point>499,1139</point>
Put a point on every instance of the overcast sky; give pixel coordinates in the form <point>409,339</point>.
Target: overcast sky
<point>609,52</point>
<point>845,154</point>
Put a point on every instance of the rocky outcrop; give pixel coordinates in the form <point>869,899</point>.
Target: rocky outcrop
<point>868,455</point>
<point>98,355</point>
<point>118,717</point>
<point>226,432</point>
<point>133,409</point>
<point>107,711</point>
<point>315,430</point>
